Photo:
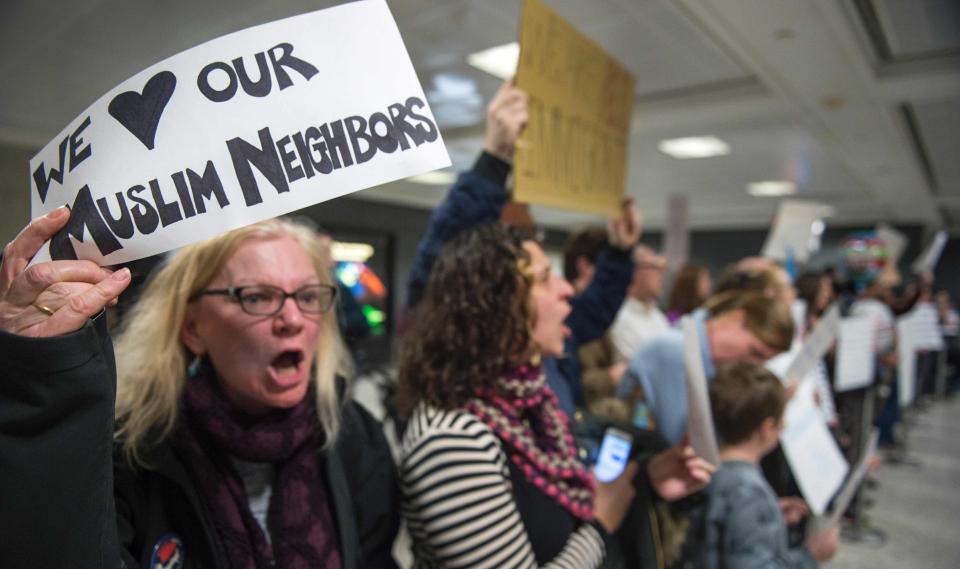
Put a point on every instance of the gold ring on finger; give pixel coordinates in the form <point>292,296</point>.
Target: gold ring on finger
<point>43,308</point>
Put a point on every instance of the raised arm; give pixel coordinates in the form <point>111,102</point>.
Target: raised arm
<point>478,196</point>
<point>56,408</point>
<point>596,308</point>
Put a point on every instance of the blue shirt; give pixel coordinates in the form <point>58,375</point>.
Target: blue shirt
<point>741,525</point>
<point>658,367</point>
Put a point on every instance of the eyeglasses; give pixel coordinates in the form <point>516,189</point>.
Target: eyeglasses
<point>264,300</point>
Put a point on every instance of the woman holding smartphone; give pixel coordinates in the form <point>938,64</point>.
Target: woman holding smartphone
<point>489,472</point>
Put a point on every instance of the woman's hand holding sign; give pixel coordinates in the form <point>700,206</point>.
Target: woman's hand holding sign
<point>52,298</point>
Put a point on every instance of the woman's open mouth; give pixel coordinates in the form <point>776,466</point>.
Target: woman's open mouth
<point>287,367</point>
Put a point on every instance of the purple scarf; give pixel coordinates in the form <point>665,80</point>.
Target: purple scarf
<point>299,513</point>
<point>522,411</point>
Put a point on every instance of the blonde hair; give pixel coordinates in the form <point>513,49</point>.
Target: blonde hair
<point>151,359</point>
<point>767,318</point>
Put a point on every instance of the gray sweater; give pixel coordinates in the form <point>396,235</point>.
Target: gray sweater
<point>741,526</point>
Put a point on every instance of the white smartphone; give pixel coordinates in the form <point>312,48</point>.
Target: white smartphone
<point>613,455</point>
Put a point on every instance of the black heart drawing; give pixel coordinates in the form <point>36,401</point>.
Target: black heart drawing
<point>140,114</point>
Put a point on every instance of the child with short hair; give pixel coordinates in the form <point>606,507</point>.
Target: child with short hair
<point>741,525</point>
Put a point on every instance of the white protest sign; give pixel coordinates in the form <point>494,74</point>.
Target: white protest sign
<point>922,327</point>
<point>906,363</point>
<point>894,241</point>
<point>242,128</point>
<point>816,461</point>
<point>816,345</point>
<point>703,439</point>
<point>927,261</point>
<point>855,355</point>
<point>823,392</point>
<point>793,230</point>
<point>779,363</point>
<point>849,490</point>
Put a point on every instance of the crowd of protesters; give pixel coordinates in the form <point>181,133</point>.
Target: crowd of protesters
<point>218,429</point>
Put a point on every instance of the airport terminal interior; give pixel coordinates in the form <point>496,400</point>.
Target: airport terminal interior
<point>812,141</point>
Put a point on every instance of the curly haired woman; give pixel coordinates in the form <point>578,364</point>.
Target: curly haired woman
<point>490,475</point>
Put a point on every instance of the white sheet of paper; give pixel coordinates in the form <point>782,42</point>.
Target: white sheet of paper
<point>703,439</point>
<point>816,461</point>
<point>894,241</point>
<point>242,128</point>
<point>922,326</point>
<point>855,355</point>
<point>821,386</point>
<point>780,363</point>
<point>906,363</point>
<point>793,229</point>
<point>815,345</point>
<point>927,261</point>
<point>849,490</point>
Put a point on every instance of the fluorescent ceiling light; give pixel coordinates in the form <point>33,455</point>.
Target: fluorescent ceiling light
<point>499,61</point>
<point>772,188</point>
<point>435,178</point>
<point>694,147</point>
<point>342,251</point>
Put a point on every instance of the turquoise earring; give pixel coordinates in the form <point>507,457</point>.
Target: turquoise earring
<point>193,369</point>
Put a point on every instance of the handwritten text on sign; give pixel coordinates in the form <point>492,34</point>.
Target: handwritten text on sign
<point>574,149</point>
<point>242,128</point>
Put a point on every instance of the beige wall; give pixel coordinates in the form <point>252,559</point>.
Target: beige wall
<point>14,190</point>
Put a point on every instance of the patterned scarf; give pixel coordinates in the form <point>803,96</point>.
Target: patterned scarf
<point>523,412</point>
<point>302,528</point>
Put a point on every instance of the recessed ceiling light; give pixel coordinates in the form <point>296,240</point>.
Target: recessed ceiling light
<point>499,61</point>
<point>694,147</point>
<point>435,178</point>
<point>772,188</point>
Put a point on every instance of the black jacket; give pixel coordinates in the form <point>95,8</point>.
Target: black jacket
<point>65,501</point>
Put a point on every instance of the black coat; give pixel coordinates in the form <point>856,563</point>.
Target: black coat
<point>65,501</point>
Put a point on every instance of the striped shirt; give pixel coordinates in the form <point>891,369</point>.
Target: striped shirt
<point>458,500</point>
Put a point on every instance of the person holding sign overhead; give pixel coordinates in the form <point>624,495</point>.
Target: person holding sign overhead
<point>479,196</point>
<point>219,438</point>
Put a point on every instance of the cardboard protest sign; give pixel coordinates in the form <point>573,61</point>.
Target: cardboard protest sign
<point>573,152</point>
<point>815,459</point>
<point>792,232</point>
<point>242,128</point>
<point>927,261</point>
<point>700,430</point>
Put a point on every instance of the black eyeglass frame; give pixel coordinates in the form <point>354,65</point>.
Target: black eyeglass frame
<point>236,293</point>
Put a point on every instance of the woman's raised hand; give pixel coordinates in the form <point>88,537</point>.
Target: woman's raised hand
<point>55,297</point>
